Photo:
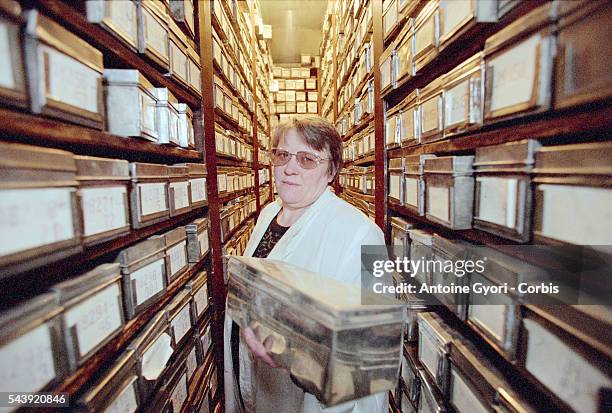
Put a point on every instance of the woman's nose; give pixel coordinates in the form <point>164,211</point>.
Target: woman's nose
<point>292,166</point>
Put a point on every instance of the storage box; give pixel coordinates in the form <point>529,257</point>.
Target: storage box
<point>455,251</point>
<point>408,120</point>
<point>503,198</point>
<point>369,181</point>
<point>40,224</point>
<point>205,338</point>
<point>396,180</point>
<point>410,383</point>
<point>153,348</point>
<point>195,79</point>
<point>178,190</point>
<point>175,242</point>
<point>197,239</point>
<point>119,18</point>
<point>312,107</point>
<point>426,37</point>
<point>402,65</point>
<point>64,73</point>
<point>392,138</point>
<point>311,84</point>
<point>390,18</point>
<point>153,32</point>
<point>185,126</point>
<point>435,339</point>
<point>328,368</point>
<point>117,389</point>
<point>103,198</point>
<point>572,194</point>
<point>148,194</point>
<point>13,90</point>
<point>431,111</point>
<point>463,95</point>
<point>518,66</point>
<point>183,12</point>
<point>581,41</point>
<point>386,69</point>
<point>144,275</point>
<point>399,236</point>
<point>167,117</point>
<point>414,183</point>
<point>92,314</point>
<point>449,191</point>
<point>32,351</point>
<point>301,107</point>
<point>430,399</point>
<point>421,250</point>
<point>179,318</point>
<point>198,288</point>
<point>177,385</point>
<point>459,17</point>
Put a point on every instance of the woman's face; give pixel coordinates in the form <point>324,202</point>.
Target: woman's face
<point>296,186</point>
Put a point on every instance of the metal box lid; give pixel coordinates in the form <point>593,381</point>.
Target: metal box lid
<point>509,157</point>
<point>455,165</point>
<point>27,315</point>
<point>451,248</point>
<point>196,226</point>
<point>576,159</point>
<point>156,327</point>
<point>195,169</point>
<point>90,168</point>
<point>165,97</point>
<point>421,236</point>
<point>126,77</point>
<point>177,171</point>
<point>139,170</point>
<point>180,300</point>
<point>140,251</point>
<point>87,283</point>
<point>173,236</point>
<point>17,156</point>
<point>396,164</point>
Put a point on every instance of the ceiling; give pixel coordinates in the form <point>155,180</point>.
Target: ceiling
<point>296,27</point>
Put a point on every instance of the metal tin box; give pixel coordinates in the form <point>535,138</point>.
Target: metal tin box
<point>153,32</point>
<point>130,104</point>
<point>392,138</point>
<point>402,65</point>
<point>426,37</point>
<point>13,89</point>
<point>167,116</point>
<point>179,318</point>
<point>316,329</point>
<point>119,18</point>
<point>175,242</point>
<point>195,76</point>
<point>148,194</point>
<point>463,95</point>
<point>386,69</point>
<point>197,239</point>
<point>64,73</point>
<point>185,126</point>
<point>414,183</point>
<point>573,194</point>
<point>31,346</point>
<point>198,288</point>
<point>390,18</point>
<point>103,197</point>
<point>117,390</point>
<point>191,352</point>
<point>399,236</point>
<point>396,180</point>
<point>153,348</point>
<point>503,198</point>
<point>449,191</point>
<point>178,190</point>
<point>40,224</point>
<point>205,338</point>
<point>178,64</point>
<point>421,250</point>
<point>458,17</point>
<point>430,399</point>
<point>183,12</point>
<point>144,275</point>
<point>369,180</point>
<point>435,339</point>
<point>410,383</point>
<point>518,66</point>
<point>431,111</point>
<point>93,313</point>
<point>582,39</point>
<point>409,120</point>
<point>450,251</point>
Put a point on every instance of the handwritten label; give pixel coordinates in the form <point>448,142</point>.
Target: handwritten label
<point>497,200</point>
<point>407,124</point>
<point>126,400</point>
<point>198,189</point>
<point>178,257</point>
<point>201,300</point>
<point>462,396</point>
<point>179,394</point>
<point>95,318</point>
<point>514,74</point>
<point>149,280</point>
<point>181,323</point>
<point>456,104</point>
<point>203,241</point>
<point>430,114</point>
<point>30,218</point>
<point>123,15</point>
<point>191,363</point>
<point>155,358</point>
<point>438,200</point>
<point>68,80</point>
<point>147,114</point>
<point>428,353</point>
<point>492,317</point>
<point>7,73</point>
<point>103,208</point>
<point>181,194</point>
<point>152,198</point>
<point>156,36</point>
<point>222,182</point>
<point>453,13</point>
<point>394,186</point>
<point>179,61</point>
<point>27,362</point>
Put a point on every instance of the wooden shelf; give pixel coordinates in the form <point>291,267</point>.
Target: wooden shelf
<point>238,228</point>
<point>236,194</point>
<point>38,130</point>
<point>227,122</point>
<point>363,123</point>
<point>367,161</point>
<point>224,160</point>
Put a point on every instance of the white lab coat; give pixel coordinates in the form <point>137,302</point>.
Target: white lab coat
<point>327,239</point>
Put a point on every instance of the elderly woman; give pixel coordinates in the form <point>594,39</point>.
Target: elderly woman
<point>310,227</point>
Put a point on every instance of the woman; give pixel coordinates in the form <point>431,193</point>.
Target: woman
<point>310,227</point>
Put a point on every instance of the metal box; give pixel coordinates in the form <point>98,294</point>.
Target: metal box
<point>178,190</point>
<point>430,399</point>
<point>410,383</point>
<point>426,37</point>
<point>40,222</point>
<point>431,111</point>
<point>396,180</point>
<point>198,288</point>
<point>13,88</point>
<point>421,250</point>
<point>195,76</point>
<point>153,32</point>
<point>179,318</point>
<point>120,18</point>
<point>414,183</point>
<point>167,117</point>
<point>197,239</point>
<point>392,138</point>
<point>144,275</point>
<point>185,126</point>
<point>175,242</point>
<point>177,386</point>
<point>178,63</point>
<point>130,104</point>
<point>409,120</point>
<point>183,11</point>
<point>64,73</point>
<point>386,69</point>
<point>435,339</point>
<point>459,17</point>
<point>148,194</point>
<point>449,191</point>
<point>503,198</point>
<point>404,47</point>
<point>103,198</point>
<point>450,251</point>
<point>390,18</point>
<point>399,236</point>
<point>92,314</point>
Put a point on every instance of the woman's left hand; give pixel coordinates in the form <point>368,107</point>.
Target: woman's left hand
<point>258,348</point>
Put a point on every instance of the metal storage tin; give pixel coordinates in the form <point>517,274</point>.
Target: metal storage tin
<point>435,339</point>
<point>64,73</point>
<point>410,380</point>
<point>191,355</point>
<point>430,399</point>
<point>327,365</point>
<point>463,95</point>
<point>573,194</point>
<point>392,138</point>
<point>205,338</point>
<point>178,64</point>
<point>582,38</point>
<point>414,184</point>
<point>103,197</point>
<point>153,348</point>
<point>148,194</point>
<point>119,18</point>
<point>197,239</point>
<point>13,89</point>
<point>503,198</point>
<point>179,318</point>
<point>117,390</point>
<point>458,17</point>
<point>408,120</point>
<point>40,221</point>
<point>175,242</point>
<point>399,236</point>
<point>426,37</point>
<point>167,116</point>
<point>195,76</point>
<point>178,190</point>
<point>396,180</point>
<point>386,69</point>
<point>449,191</point>
<point>153,32</point>
<point>369,180</point>
<point>431,111</point>
<point>518,66</point>
<point>390,18</point>
<point>402,65</point>
<point>32,353</point>
<point>198,288</point>
<point>144,275</point>
<point>183,12</point>
<point>447,250</point>
<point>92,314</point>
<point>185,126</point>
<point>130,104</point>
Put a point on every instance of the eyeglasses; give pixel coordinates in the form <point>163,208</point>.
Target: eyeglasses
<point>306,160</point>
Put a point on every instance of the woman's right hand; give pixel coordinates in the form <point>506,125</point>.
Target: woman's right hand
<point>258,348</point>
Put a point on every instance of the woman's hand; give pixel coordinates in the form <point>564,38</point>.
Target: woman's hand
<point>257,348</point>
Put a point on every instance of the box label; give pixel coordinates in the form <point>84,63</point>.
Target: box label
<point>148,281</point>
<point>7,77</point>
<point>152,198</point>
<point>181,323</point>
<point>125,401</point>
<point>104,209</point>
<point>438,201</point>
<point>178,257</point>
<point>181,194</point>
